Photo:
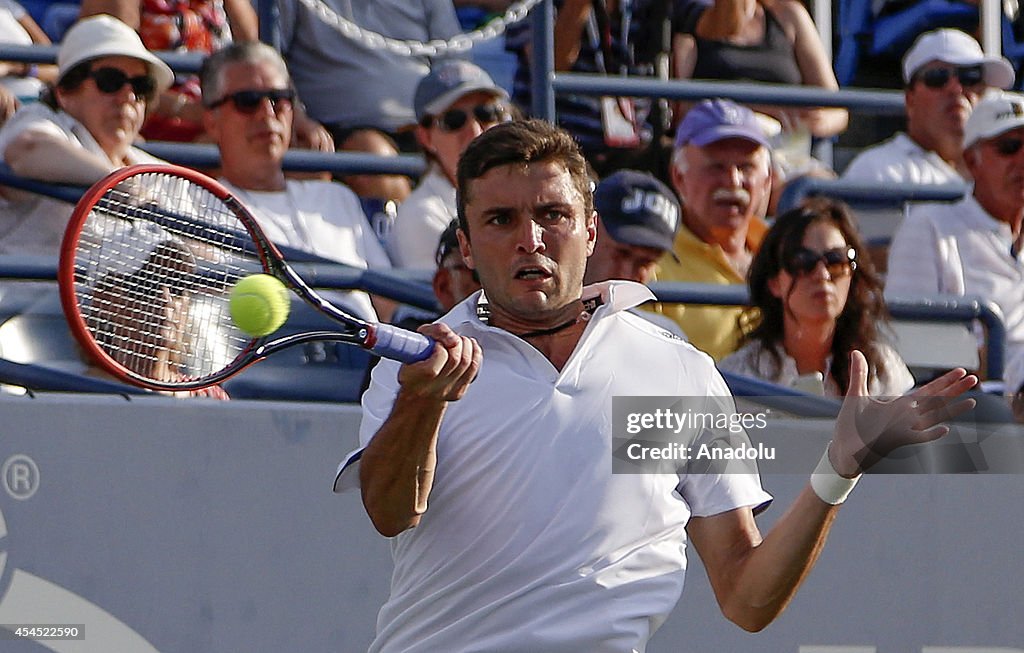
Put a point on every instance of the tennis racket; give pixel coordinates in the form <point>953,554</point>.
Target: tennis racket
<point>147,265</point>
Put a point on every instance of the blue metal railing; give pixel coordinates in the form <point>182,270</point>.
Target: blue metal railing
<point>405,286</point>
<point>340,163</point>
<point>867,193</point>
<point>781,397</point>
<point>940,308</point>
<point>44,378</point>
<point>182,62</point>
<point>888,102</point>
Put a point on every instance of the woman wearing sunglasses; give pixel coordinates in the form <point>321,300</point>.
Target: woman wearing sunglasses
<point>454,103</point>
<point>818,300</point>
<point>84,130</point>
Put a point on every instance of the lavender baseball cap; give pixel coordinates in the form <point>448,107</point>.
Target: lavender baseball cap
<point>716,120</point>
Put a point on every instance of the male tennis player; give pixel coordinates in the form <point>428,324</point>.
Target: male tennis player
<point>490,462</point>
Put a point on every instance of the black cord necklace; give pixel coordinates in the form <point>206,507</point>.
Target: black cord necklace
<point>582,317</point>
<point>590,305</point>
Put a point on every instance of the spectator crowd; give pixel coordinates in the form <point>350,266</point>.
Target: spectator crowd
<point>686,192</point>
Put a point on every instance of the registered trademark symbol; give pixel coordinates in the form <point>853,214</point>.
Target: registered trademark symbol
<point>20,476</point>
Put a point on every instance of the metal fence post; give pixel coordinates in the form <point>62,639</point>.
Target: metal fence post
<point>542,61</point>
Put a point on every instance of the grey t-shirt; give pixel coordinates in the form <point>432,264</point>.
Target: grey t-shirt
<point>344,82</point>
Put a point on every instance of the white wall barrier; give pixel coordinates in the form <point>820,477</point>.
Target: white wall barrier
<point>194,526</point>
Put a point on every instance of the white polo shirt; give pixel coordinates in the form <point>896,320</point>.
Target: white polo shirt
<point>900,160</point>
<point>959,249</point>
<point>323,218</point>
<point>529,542</point>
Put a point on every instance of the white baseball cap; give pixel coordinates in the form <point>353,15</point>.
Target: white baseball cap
<point>997,112</point>
<point>955,47</point>
<point>106,36</point>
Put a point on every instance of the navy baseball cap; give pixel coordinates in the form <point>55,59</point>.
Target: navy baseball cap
<point>716,120</point>
<point>637,209</point>
<point>449,80</point>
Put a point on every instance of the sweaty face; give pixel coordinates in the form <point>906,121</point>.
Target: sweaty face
<point>248,134</point>
<point>723,186</point>
<point>816,295</point>
<point>529,239</point>
<point>113,118</point>
<point>617,260</point>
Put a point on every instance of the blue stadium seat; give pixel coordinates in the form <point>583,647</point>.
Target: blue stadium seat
<point>59,16</point>
<point>862,34</point>
<point>54,17</point>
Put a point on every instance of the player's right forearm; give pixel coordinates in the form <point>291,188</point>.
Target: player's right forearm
<point>396,470</point>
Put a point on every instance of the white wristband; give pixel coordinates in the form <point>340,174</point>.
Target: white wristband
<point>829,485</point>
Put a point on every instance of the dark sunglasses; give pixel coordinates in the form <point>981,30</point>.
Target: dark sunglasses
<point>453,120</point>
<point>112,80</point>
<point>250,101</point>
<point>838,262</point>
<point>1008,146</point>
<point>939,77</point>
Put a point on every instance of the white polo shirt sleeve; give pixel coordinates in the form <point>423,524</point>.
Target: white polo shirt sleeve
<point>712,494</point>
<point>376,402</point>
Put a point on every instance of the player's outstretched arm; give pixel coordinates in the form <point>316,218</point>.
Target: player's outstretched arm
<point>754,578</point>
<point>396,470</point>
<point>868,429</point>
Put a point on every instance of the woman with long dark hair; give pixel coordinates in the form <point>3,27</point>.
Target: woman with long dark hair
<point>819,298</point>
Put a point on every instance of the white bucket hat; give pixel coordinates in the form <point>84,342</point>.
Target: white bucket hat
<point>106,36</point>
<point>959,49</point>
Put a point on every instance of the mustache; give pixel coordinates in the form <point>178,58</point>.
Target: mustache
<point>739,195</point>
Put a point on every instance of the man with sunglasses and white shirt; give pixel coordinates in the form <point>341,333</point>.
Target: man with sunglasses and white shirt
<point>249,111</point>
<point>83,131</point>
<point>946,74</point>
<point>973,247</point>
<point>454,103</point>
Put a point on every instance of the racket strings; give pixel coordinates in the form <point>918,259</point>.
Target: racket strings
<point>156,260</point>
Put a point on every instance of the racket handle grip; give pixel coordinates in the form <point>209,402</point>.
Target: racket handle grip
<point>402,345</point>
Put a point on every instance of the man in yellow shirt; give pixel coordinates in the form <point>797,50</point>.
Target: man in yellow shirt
<point>721,169</point>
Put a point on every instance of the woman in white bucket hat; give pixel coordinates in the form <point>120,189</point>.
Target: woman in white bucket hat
<point>85,129</point>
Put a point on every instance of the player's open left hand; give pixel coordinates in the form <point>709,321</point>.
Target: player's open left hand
<point>869,428</point>
<point>446,375</point>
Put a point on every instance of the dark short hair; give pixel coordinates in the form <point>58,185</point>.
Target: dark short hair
<point>521,142</point>
<point>858,326</point>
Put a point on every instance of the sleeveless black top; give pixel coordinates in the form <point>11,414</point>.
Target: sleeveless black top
<point>772,60</point>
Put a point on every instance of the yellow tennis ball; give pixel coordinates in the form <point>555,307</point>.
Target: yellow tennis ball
<point>259,304</point>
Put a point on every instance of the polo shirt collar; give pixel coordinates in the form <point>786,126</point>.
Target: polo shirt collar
<point>616,296</point>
